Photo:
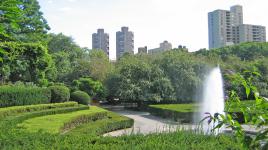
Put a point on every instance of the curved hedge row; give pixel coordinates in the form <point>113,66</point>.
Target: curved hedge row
<point>82,119</point>
<point>7,111</point>
<point>20,95</point>
<point>111,123</point>
<point>63,122</point>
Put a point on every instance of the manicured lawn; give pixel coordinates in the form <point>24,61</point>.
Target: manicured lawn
<point>178,107</point>
<point>185,108</point>
<point>53,123</point>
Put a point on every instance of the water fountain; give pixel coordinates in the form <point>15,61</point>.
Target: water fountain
<point>213,98</point>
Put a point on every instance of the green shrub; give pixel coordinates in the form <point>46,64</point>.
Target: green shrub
<point>80,97</point>
<point>91,87</point>
<point>59,94</point>
<point>8,111</point>
<point>21,95</point>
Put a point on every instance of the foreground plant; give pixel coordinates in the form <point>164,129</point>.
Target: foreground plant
<point>255,115</point>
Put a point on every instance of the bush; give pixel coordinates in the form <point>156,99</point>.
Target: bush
<point>59,94</point>
<point>80,97</point>
<point>21,95</point>
<point>91,87</point>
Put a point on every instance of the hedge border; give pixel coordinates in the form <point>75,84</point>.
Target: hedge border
<point>9,111</point>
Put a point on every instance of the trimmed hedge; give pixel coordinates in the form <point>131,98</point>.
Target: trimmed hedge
<point>178,112</point>
<point>184,117</point>
<point>80,97</point>
<point>58,123</point>
<point>111,123</point>
<point>82,120</point>
<point>46,112</point>
<point>59,94</point>
<point>8,111</point>
<point>20,95</point>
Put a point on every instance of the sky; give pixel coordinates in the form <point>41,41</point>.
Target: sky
<point>181,22</point>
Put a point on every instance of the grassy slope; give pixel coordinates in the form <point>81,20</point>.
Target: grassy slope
<point>53,123</point>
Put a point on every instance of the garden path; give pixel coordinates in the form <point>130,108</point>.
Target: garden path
<point>145,123</point>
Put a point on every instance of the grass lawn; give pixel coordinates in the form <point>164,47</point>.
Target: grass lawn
<point>184,112</point>
<point>53,123</point>
<point>178,107</point>
<point>193,107</point>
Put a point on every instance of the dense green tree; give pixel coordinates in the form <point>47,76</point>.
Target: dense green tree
<point>71,61</point>
<point>22,20</point>
<point>100,66</point>
<point>25,62</point>
<point>10,15</point>
<point>185,72</point>
<point>137,80</point>
<point>92,87</point>
<point>62,43</point>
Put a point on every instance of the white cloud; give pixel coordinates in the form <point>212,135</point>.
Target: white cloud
<point>72,0</point>
<point>50,1</point>
<point>65,9</point>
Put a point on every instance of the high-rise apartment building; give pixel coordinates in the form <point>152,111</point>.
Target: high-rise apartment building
<point>100,40</point>
<point>164,46</point>
<point>226,28</point>
<point>252,33</point>
<point>124,42</point>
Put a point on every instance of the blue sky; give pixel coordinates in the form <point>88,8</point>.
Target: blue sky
<point>181,22</point>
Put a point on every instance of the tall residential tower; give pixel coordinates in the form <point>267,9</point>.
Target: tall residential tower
<point>100,40</point>
<point>124,42</point>
<point>226,27</point>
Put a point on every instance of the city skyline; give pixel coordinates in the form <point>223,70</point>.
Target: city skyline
<point>152,21</point>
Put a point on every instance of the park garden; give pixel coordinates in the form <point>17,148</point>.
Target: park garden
<point>52,90</point>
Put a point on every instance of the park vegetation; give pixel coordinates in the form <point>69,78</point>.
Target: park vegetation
<point>41,72</point>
